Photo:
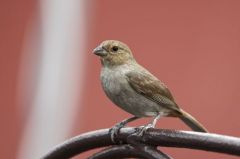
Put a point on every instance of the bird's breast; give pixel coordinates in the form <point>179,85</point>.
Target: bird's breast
<point>113,82</point>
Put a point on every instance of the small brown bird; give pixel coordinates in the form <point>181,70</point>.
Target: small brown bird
<point>136,90</point>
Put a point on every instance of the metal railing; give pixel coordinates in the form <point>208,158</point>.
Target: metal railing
<point>147,146</point>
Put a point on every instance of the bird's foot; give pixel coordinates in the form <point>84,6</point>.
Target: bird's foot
<point>114,131</point>
<point>143,129</point>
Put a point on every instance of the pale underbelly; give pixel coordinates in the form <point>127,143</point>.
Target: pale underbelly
<point>136,104</point>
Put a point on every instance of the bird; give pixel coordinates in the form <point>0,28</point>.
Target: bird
<point>134,89</point>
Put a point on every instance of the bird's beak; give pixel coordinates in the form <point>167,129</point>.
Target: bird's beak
<point>100,51</point>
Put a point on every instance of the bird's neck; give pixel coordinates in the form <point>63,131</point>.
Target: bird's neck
<point>110,64</point>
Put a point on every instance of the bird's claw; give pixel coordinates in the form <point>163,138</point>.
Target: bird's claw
<point>143,129</point>
<point>114,131</point>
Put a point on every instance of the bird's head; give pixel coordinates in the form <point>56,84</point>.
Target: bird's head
<point>113,53</point>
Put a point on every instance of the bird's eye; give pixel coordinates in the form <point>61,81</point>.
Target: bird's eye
<point>114,48</point>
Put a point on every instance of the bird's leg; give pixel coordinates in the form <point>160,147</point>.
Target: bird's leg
<point>150,125</point>
<point>116,128</point>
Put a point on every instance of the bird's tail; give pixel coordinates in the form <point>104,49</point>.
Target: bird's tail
<point>192,122</point>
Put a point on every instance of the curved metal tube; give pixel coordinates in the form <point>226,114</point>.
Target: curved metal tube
<point>153,137</point>
<point>123,151</point>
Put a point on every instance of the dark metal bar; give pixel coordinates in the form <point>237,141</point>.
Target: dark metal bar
<point>79,144</point>
<point>150,152</point>
<point>123,151</point>
<point>154,137</point>
<point>194,140</point>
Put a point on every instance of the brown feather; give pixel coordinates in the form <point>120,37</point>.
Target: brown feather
<point>149,86</point>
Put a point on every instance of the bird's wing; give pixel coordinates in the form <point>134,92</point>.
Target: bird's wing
<point>149,86</point>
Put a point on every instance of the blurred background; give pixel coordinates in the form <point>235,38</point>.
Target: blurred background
<point>49,77</point>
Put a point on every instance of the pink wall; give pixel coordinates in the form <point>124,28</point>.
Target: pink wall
<point>14,18</point>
